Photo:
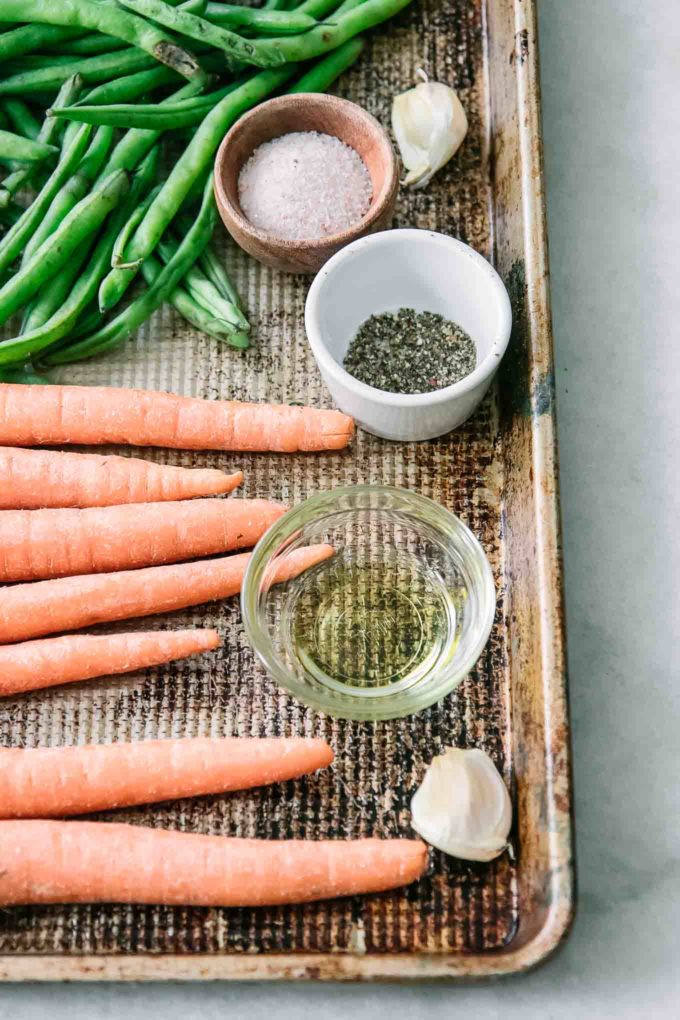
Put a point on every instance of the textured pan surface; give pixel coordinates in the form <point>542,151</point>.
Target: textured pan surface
<point>497,472</point>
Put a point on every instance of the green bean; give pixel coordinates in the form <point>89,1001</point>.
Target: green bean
<point>23,374</point>
<point>277,5</point>
<point>31,38</point>
<point>214,269</point>
<point>70,132</point>
<point>132,148</point>
<point>90,320</point>
<point>129,86</point>
<point>346,5</point>
<point>49,133</point>
<point>217,274</point>
<point>73,320</point>
<point>193,312</point>
<point>215,62</point>
<point>123,325</point>
<point>128,228</point>
<point>52,296</point>
<point>83,220</point>
<point>327,36</point>
<point>204,291</point>
<point>94,43</point>
<point>320,8</point>
<point>144,179</point>
<point>10,214</point>
<point>22,118</point>
<point>73,190</point>
<point>324,73</point>
<point>97,152</point>
<point>32,63</point>
<point>68,93</point>
<point>197,28</point>
<point>91,45</point>
<point>110,20</point>
<point>91,69</point>
<point>63,321</point>
<point>18,118</point>
<point>135,143</point>
<point>53,293</point>
<point>274,22</point>
<point>24,150</point>
<point>314,8</point>
<point>193,162</point>
<point>147,116</point>
<point>192,6</point>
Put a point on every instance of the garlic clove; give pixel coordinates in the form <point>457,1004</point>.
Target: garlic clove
<point>462,805</point>
<point>429,123</point>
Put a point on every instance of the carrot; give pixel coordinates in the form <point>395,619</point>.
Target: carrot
<point>69,603</point>
<point>32,479</point>
<point>49,782</point>
<point>89,862</point>
<point>49,415</point>
<point>37,544</point>
<point>34,665</point>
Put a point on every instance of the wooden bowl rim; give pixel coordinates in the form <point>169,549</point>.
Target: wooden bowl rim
<point>286,245</point>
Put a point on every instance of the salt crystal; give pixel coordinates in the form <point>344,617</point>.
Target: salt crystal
<point>304,185</point>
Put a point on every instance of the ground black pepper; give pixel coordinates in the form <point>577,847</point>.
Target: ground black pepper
<point>410,352</point>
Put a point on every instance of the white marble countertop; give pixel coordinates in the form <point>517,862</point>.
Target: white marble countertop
<point>611,86</point>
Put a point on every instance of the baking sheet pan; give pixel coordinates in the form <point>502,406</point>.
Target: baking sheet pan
<point>498,472</point>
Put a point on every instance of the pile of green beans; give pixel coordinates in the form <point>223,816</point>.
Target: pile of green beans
<point>265,22</point>
<point>185,113</point>
<point>89,96</point>
<point>49,133</point>
<point>14,148</point>
<point>108,19</point>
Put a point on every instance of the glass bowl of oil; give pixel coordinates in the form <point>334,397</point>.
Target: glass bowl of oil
<point>388,624</point>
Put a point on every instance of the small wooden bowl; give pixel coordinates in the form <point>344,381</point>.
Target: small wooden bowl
<point>305,112</point>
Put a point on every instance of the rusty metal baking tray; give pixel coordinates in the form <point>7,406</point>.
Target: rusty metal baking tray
<point>498,472</point>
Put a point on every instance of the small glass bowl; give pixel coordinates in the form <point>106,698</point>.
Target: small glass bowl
<point>390,623</point>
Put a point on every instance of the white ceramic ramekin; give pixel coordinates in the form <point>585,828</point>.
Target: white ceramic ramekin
<point>407,269</point>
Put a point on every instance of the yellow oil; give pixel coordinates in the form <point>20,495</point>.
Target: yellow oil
<point>373,626</point>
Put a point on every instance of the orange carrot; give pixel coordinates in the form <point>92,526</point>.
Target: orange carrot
<point>37,544</point>
<point>69,603</point>
<point>32,479</point>
<point>90,862</point>
<point>51,415</point>
<point>34,665</point>
<point>49,782</point>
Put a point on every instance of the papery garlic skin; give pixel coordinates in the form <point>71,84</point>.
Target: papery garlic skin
<point>429,124</point>
<point>462,806</point>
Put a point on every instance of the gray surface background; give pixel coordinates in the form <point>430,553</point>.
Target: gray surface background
<point>611,109</point>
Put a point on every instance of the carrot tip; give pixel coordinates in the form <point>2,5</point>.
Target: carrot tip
<point>292,563</point>
<point>338,437</point>
<point>326,753</point>
<point>322,552</point>
<point>212,639</point>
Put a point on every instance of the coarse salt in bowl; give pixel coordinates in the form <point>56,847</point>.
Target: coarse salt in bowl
<point>305,112</point>
<point>304,185</point>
